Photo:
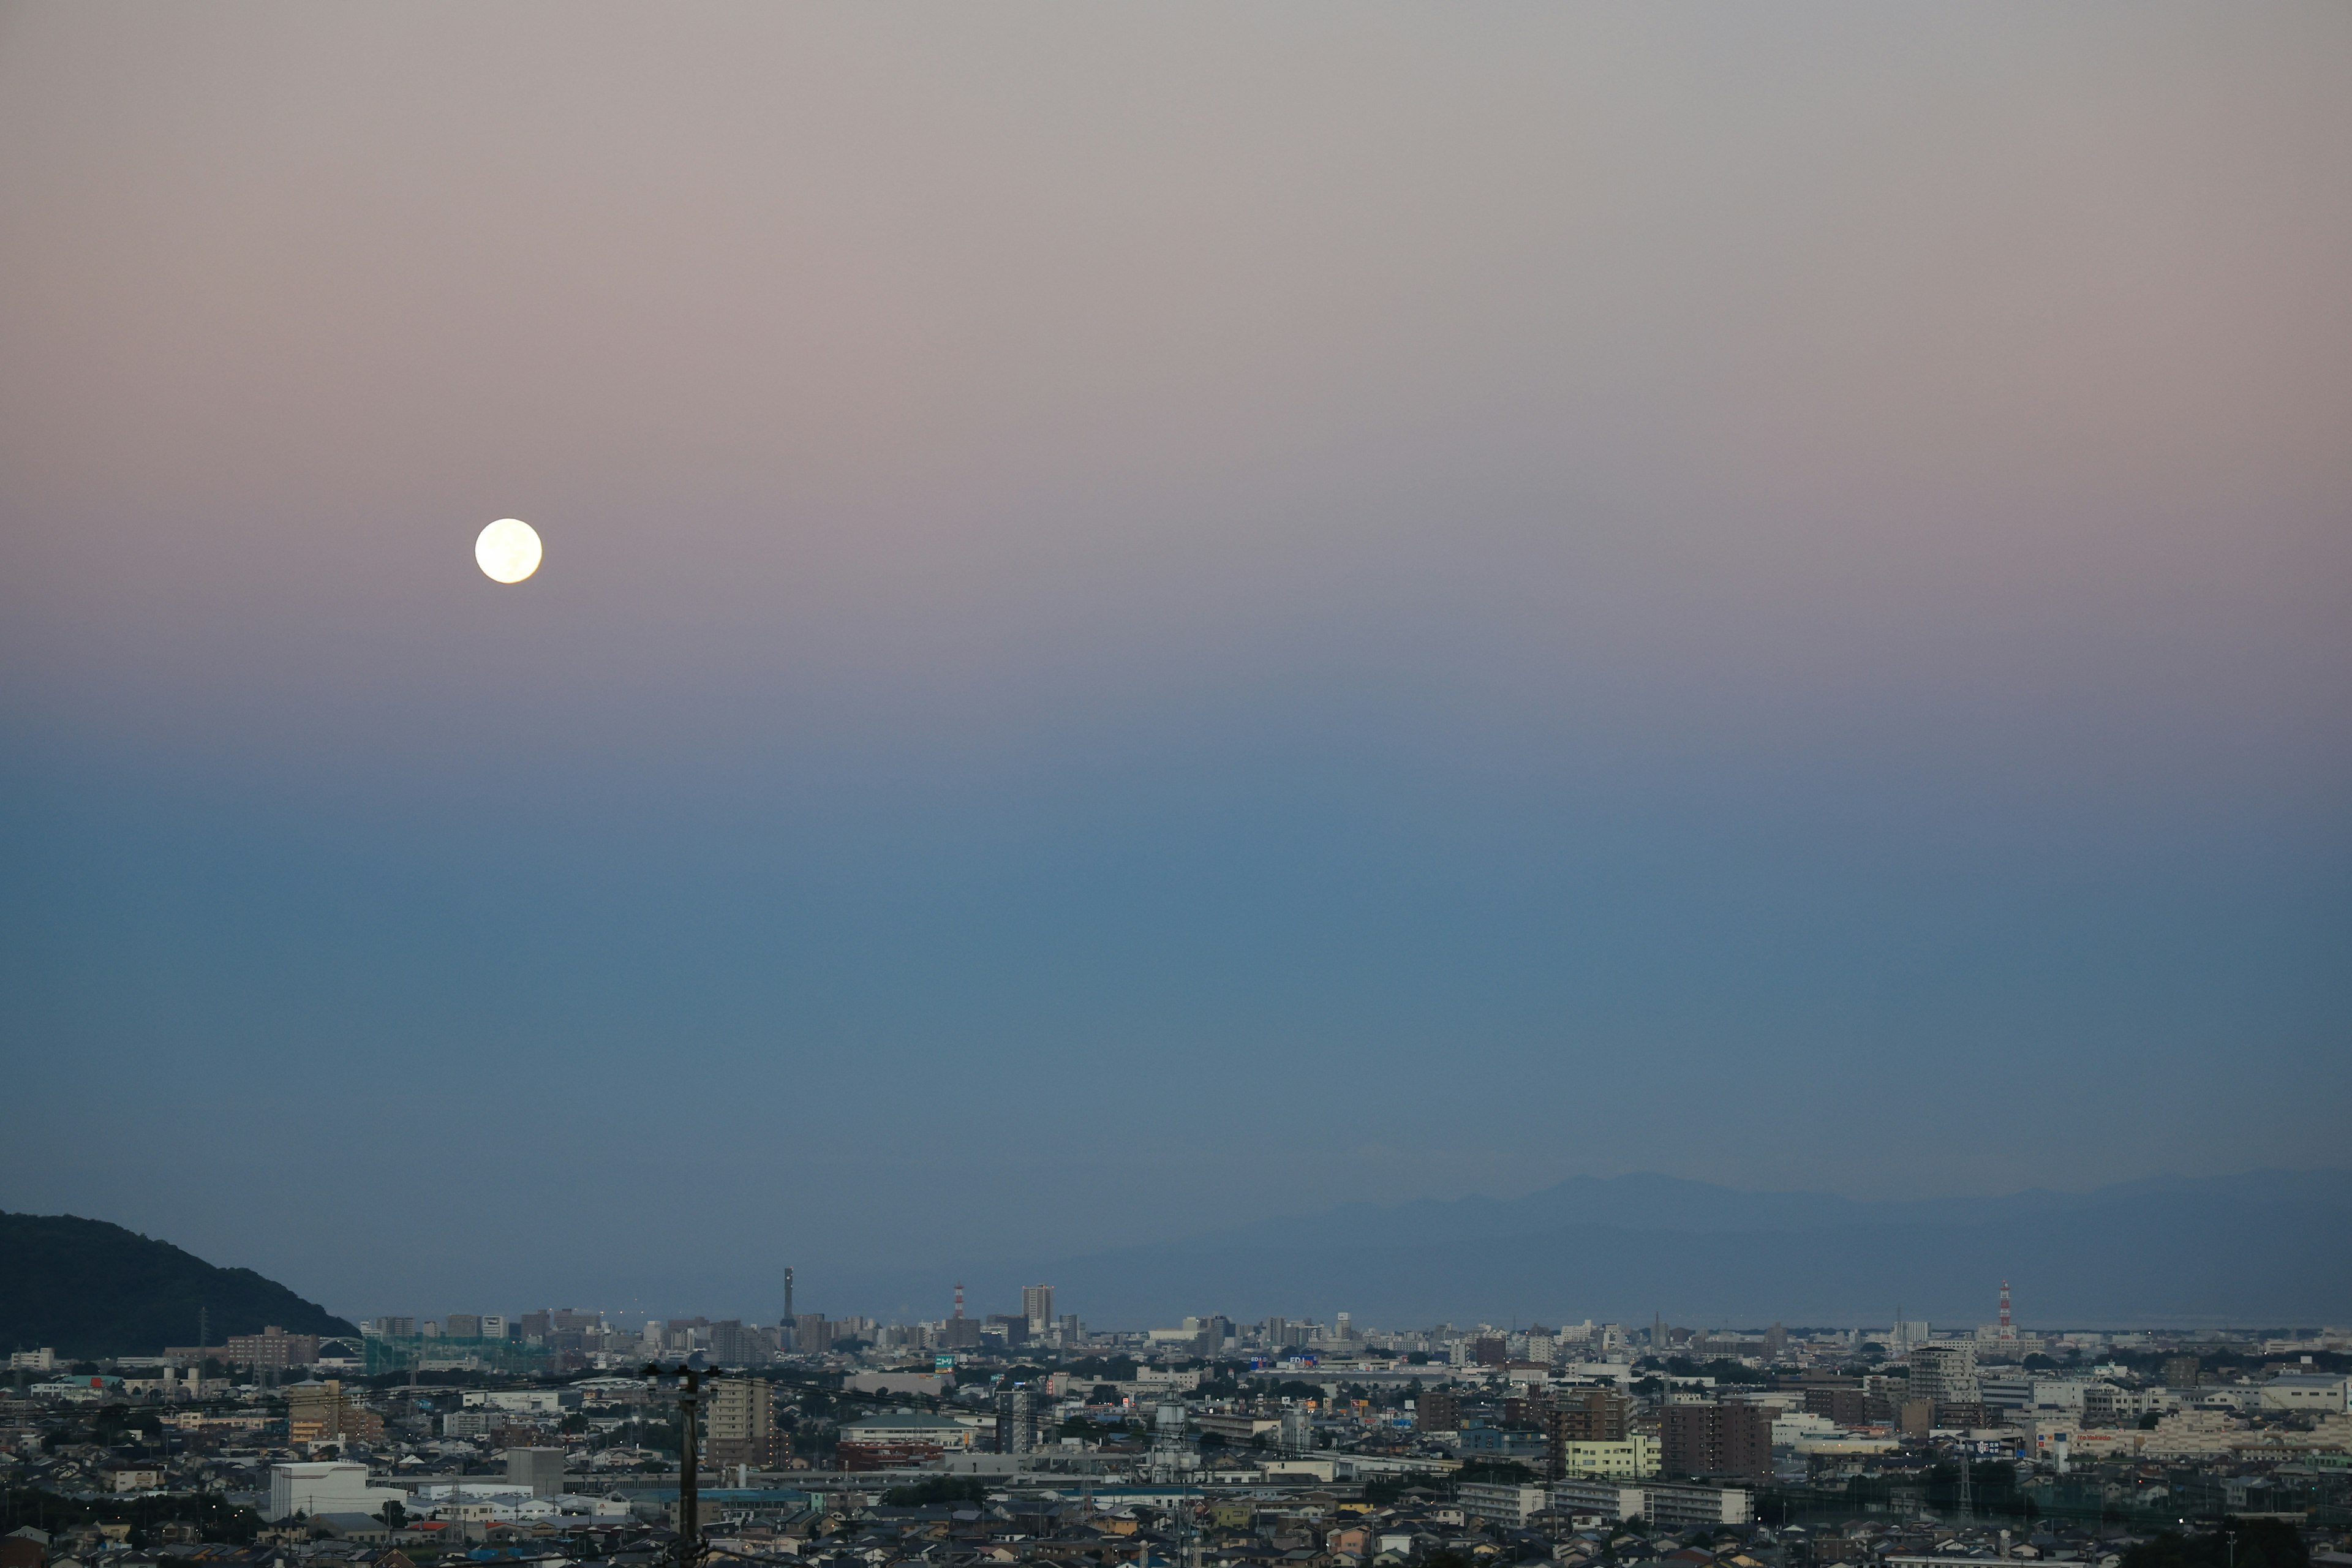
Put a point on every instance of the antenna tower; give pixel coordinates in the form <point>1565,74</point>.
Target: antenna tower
<point>2008,1328</point>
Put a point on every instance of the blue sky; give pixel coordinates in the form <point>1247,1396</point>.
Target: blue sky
<point>1155,615</point>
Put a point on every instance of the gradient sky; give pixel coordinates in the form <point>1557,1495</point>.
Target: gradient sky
<point>1155,613</point>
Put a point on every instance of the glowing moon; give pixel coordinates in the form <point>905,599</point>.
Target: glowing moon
<point>508,550</point>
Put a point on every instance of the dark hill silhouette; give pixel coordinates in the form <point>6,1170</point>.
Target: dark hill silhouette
<point>91,1289</point>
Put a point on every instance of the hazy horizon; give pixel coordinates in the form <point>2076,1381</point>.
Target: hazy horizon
<point>1167,1278</point>
<point>1153,615</point>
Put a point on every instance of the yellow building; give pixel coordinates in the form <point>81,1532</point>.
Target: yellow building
<point>739,1422</point>
<point>1631,1459</point>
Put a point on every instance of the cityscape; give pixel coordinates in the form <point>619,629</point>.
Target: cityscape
<point>558,1434</point>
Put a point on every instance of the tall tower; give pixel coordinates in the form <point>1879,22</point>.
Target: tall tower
<point>2008,1328</point>
<point>958,1300</point>
<point>788,1295</point>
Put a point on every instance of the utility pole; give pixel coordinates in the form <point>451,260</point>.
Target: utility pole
<point>690,1500</point>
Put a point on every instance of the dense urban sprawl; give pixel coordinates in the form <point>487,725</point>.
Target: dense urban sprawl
<point>558,1436</point>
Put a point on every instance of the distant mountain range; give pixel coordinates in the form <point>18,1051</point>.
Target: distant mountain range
<point>2266,1247</point>
<point>90,1289</point>
<point>2259,1249</point>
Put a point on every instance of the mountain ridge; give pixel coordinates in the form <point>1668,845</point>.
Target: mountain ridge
<point>91,1287</point>
<point>1656,1200</point>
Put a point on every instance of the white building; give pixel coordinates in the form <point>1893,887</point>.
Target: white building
<point>1502,1503</point>
<point>530,1401</point>
<point>1167,1379</point>
<point>2317,1391</point>
<point>1791,1427</point>
<point>2057,1393</point>
<point>483,1502</point>
<point>1688,1507</point>
<point>1667,1507</point>
<point>1597,1495</point>
<point>1945,1372</point>
<point>324,1488</point>
<point>909,1426</point>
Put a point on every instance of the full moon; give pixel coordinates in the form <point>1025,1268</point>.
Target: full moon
<point>508,550</point>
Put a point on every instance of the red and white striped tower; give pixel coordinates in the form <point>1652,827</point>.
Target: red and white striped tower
<point>960,1297</point>
<point>2008,1328</point>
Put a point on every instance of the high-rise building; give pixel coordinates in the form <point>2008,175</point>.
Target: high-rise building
<point>1587,1415</point>
<point>1437,1410</point>
<point>1037,1306</point>
<point>1734,1441</point>
<point>811,1335</point>
<point>737,1344</point>
<point>463,1325</point>
<point>1841,1405</point>
<point>324,1412</point>
<point>739,1419</point>
<point>1016,1420</point>
<point>1945,1372</point>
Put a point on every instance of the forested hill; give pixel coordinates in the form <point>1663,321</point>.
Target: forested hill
<point>90,1289</point>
